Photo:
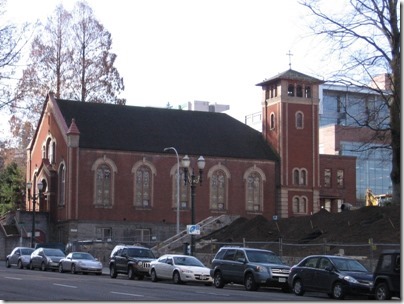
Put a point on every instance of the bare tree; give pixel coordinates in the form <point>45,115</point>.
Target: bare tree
<point>12,41</point>
<point>95,77</point>
<point>47,69</point>
<point>71,56</point>
<point>367,37</point>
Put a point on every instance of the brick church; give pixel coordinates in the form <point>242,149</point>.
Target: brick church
<point>107,174</point>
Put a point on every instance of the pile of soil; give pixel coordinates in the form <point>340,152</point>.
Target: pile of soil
<point>382,224</point>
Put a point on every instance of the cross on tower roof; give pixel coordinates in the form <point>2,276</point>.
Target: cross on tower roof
<point>290,55</point>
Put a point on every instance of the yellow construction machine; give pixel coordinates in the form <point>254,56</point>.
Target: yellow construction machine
<point>377,200</point>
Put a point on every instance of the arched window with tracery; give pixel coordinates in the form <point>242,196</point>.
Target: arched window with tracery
<point>254,178</point>
<point>62,185</point>
<point>143,187</point>
<point>104,186</point>
<point>184,192</point>
<point>218,181</point>
<point>144,172</point>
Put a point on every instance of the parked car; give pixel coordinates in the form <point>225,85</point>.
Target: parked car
<point>80,262</point>
<point>46,258</point>
<point>181,269</point>
<point>387,275</point>
<point>134,261</point>
<point>56,245</point>
<point>335,275</point>
<point>20,257</point>
<point>250,267</point>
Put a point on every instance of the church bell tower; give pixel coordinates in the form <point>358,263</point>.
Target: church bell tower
<point>290,123</point>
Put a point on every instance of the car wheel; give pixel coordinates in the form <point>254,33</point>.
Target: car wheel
<point>177,278</point>
<point>43,266</point>
<point>298,287</point>
<point>8,263</point>
<point>382,292</point>
<point>61,268</point>
<point>112,271</point>
<point>338,291</point>
<point>19,264</point>
<point>153,275</point>
<point>249,282</point>
<point>131,273</point>
<point>73,269</point>
<point>218,280</point>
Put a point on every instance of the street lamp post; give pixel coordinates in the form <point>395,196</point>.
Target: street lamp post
<point>34,198</point>
<point>190,178</point>
<point>178,187</point>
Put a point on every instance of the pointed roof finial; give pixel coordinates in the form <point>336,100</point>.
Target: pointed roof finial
<point>73,128</point>
<point>290,62</point>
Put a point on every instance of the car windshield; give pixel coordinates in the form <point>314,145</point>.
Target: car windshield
<point>82,256</point>
<point>187,261</point>
<point>263,257</point>
<point>348,265</point>
<point>54,252</point>
<point>26,251</point>
<point>140,253</point>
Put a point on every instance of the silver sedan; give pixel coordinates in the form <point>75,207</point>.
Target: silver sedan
<point>180,269</point>
<point>80,262</point>
<point>20,256</point>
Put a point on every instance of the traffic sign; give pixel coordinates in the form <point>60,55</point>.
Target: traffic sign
<point>194,229</point>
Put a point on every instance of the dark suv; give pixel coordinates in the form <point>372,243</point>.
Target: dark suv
<point>250,267</point>
<point>134,261</point>
<point>387,275</point>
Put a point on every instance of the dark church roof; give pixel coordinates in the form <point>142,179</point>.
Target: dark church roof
<point>147,129</point>
<point>290,75</point>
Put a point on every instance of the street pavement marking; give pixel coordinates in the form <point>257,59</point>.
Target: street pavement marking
<point>63,285</point>
<point>127,294</point>
<point>13,278</point>
<point>214,293</point>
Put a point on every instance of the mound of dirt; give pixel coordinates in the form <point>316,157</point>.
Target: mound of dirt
<point>382,224</point>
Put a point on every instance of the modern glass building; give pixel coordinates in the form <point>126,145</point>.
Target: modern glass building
<point>345,115</point>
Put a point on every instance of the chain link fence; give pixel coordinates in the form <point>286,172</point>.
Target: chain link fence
<point>292,253</point>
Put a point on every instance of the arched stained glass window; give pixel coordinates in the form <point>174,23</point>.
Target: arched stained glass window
<point>103,185</point>
<point>143,187</point>
<point>218,184</point>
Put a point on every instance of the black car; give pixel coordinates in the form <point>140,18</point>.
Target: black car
<point>134,261</point>
<point>387,275</point>
<point>249,266</point>
<point>336,276</point>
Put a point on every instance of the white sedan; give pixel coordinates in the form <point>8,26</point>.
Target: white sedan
<point>180,269</point>
<point>82,262</point>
